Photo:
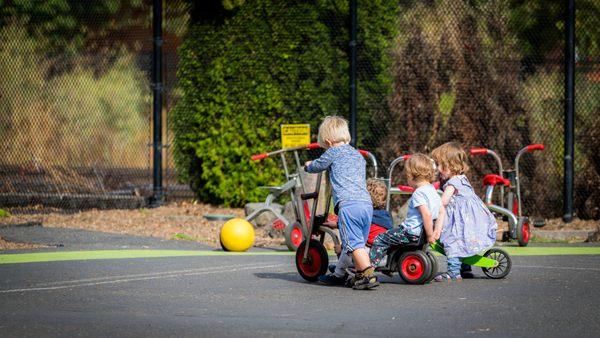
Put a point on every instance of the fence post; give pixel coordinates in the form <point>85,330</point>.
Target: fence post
<point>157,87</point>
<point>569,150</point>
<point>352,46</point>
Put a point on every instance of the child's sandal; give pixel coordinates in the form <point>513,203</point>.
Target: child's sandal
<point>442,277</point>
<point>445,277</point>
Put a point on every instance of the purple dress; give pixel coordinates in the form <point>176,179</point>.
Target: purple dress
<point>470,227</point>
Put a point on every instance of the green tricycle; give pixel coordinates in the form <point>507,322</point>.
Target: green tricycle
<point>495,262</point>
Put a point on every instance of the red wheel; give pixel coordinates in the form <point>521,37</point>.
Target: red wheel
<point>415,267</point>
<point>316,262</point>
<point>434,266</point>
<point>293,236</point>
<point>523,233</point>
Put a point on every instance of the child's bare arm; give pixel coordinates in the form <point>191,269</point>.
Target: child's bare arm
<point>439,224</point>
<point>447,195</point>
<point>427,222</point>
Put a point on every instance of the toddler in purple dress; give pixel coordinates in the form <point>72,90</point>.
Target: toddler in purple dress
<point>467,227</point>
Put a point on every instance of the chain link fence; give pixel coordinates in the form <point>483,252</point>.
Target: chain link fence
<point>491,74</point>
<point>75,98</point>
<point>75,101</point>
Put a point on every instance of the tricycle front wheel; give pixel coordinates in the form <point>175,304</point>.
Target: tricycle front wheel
<point>316,261</point>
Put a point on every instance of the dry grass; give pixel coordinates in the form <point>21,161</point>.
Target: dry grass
<point>173,221</point>
<point>6,245</point>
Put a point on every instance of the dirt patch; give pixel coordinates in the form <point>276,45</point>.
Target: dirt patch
<point>183,221</point>
<point>7,245</point>
<point>576,224</point>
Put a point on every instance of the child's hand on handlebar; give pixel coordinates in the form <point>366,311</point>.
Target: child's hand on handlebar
<point>437,233</point>
<point>331,224</point>
<point>431,239</point>
<point>307,163</point>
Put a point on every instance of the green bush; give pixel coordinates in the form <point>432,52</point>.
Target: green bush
<point>267,63</point>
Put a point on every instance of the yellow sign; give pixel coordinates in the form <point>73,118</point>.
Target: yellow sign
<point>295,135</point>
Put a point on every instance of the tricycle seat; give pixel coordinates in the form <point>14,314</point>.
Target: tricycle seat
<point>493,180</point>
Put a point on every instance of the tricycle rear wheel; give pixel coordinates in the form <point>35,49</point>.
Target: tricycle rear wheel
<point>414,267</point>
<point>504,263</point>
<point>316,261</point>
<point>434,265</point>
<point>293,235</point>
<point>523,233</point>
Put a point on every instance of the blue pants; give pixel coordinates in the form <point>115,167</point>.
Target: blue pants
<point>354,223</point>
<point>455,267</point>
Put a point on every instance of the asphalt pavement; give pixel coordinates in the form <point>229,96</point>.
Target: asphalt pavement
<point>263,295</point>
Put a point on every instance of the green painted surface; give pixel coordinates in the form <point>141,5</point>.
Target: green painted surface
<point>123,254</point>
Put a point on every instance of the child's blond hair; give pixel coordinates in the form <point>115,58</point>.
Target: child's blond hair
<point>378,192</point>
<point>420,167</point>
<point>451,156</point>
<point>333,129</point>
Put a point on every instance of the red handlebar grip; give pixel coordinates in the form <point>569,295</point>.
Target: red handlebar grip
<point>364,152</point>
<point>534,147</point>
<point>405,157</point>
<point>406,188</point>
<point>313,146</point>
<point>478,151</point>
<point>258,157</point>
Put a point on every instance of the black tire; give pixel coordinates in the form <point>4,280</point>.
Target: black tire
<point>290,234</point>
<point>434,265</point>
<point>504,263</point>
<point>523,232</point>
<point>317,260</point>
<point>414,267</point>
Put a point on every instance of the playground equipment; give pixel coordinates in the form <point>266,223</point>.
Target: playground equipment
<point>295,230</point>
<point>518,225</point>
<point>237,235</point>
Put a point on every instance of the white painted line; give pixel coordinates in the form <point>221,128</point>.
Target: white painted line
<point>142,275</point>
<point>125,280</point>
<point>554,267</point>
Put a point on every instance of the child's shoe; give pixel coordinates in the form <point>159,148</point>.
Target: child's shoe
<point>332,280</point>
<point>466,271</point>
<point>366,280</point>
<point>444,277</point>
<point>331,268</point>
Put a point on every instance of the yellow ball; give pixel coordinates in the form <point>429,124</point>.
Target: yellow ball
<point>237,235</point>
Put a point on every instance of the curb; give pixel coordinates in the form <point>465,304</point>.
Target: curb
<point>567,235</point>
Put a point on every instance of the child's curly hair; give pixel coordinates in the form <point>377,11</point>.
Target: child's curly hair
<point>451,156</point>
<point>378,192</point>
<point>420,167</point>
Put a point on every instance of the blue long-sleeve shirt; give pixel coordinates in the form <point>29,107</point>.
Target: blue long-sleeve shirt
<point>347,172</point>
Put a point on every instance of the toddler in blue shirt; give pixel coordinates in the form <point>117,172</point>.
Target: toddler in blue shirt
<point>347,173</point>
<point>424,207</point>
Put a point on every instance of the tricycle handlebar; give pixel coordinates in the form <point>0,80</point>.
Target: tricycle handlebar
<point>366,154</point>
<point>534,147</point>
<point>258,157</point>
<point>478,151</point>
